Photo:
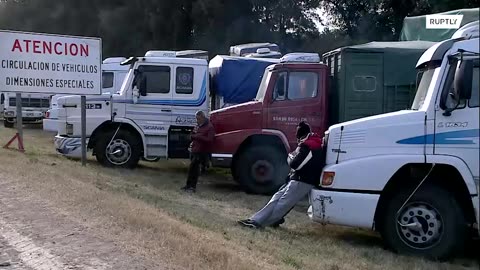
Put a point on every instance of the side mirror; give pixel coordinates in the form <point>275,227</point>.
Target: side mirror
<point>143,86</point>
<point>463,80</point>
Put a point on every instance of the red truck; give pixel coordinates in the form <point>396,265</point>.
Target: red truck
<point>253,138</point>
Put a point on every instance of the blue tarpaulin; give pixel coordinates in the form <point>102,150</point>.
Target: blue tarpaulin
<point>237,79</point>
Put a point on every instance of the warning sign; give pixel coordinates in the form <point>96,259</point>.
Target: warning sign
<point>53,64</point>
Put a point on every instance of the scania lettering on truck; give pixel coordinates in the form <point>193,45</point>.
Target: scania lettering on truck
<point>413,175</point>
<point>253,138</point>
<point>150,118</point>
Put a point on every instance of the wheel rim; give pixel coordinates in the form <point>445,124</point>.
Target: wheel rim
<point>420,225</point>
<point>262,171</point>
<point>118,152</point>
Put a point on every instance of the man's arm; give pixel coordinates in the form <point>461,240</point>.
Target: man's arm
<point>206,138</point>
<point>301,157</point>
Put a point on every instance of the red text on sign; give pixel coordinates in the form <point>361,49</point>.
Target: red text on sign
<point>49,47</point>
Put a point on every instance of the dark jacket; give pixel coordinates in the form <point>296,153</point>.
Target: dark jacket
<point>307,160</point>
<point>202,140</point>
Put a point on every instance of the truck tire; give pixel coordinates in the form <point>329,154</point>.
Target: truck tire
<point>261,169</point>
<point>441,228</point>
<point>7,124</point>
<point>123,151</point>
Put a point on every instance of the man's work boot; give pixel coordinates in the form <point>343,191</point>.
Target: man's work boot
<point>278,223</point>
<point>249,224</point>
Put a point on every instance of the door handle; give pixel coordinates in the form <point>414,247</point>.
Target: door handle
<point>166,110</point>
<point>256,112</point>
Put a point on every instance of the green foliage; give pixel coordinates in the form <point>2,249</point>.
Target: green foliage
<point>132,27</point>
<point>364,20</point>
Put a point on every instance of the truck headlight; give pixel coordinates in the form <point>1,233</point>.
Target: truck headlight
<point>9,113</point>
<point>69,129</point>
<point>327,179</point>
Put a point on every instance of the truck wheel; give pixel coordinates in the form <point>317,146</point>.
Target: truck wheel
<point>7,124</point>
<point>431,224</point>
<point>123,151</point>
<point>262,169</point>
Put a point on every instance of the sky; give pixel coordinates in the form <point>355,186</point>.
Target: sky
<point>321,12</point>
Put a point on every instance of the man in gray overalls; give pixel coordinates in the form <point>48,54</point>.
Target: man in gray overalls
<point>306,164</point>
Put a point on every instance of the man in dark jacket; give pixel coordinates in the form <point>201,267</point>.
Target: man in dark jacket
<point>202,136</point>
<point>306,164</point>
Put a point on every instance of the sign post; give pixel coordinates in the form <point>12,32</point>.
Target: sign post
<point>19,135</point>
<point>83,104</point>
<point>18,101</point>
<point>50,64</point>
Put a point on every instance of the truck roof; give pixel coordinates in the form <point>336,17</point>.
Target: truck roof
<point>298,66</point>
<point>172,60</point>
<point>385,46</point>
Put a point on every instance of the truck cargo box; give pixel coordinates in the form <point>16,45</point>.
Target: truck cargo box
<point>414,27</point>
<point>372,78</point>
<point>237,79</point>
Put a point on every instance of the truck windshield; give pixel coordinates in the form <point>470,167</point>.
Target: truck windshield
<point>124,87</point>
<point>262,89</point>
<point>422,90</point>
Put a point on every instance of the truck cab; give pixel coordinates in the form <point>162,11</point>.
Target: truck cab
<point>150,118</point>
<point>253,138</point>
<point>113,74</point>
<point>34,107</point>
<point>412,175</point>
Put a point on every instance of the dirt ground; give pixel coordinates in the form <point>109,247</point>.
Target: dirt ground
<point>56,214</point>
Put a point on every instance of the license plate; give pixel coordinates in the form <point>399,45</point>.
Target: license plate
<point>29,114</point>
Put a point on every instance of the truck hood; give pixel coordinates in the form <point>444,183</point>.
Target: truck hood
<point>237,107</point>
<point>76,99</point>
<point>392,133</point>
<point>238,117</point>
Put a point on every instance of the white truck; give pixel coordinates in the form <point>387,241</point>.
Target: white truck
<point>412,175</point>
<point>113,74</point>
<point>150,118</point>
<point>34,107</point>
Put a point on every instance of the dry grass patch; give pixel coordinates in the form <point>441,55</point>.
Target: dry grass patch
<point>145,213</point>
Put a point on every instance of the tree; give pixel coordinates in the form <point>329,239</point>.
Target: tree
<point>383,19</point>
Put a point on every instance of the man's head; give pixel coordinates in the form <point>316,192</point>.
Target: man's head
<point>303,129</point>
<point>201,118</point>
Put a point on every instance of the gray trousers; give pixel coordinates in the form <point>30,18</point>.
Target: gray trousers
<point>282,202</point>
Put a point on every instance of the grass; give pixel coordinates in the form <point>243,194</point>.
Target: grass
<point>143,211</point>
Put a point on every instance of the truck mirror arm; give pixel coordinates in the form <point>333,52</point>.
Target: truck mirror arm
<point>448,111</point>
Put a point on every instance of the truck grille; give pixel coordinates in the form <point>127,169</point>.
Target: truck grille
<point>31,102</point>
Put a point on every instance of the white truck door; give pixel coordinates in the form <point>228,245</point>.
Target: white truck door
<point>153,112</point>
<point>458,134</point>
<point>189,94</point>
<point>108,78</point>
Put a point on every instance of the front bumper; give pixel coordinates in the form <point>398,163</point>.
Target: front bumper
<point>27,116</point>
<point>222,160</point>
<point>70,147</point>
<point>51,124</point>
<point>343,208</point>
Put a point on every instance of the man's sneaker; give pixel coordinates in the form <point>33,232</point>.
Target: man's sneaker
<point>188,189</point>
<point>278,223</point>
<point>250,224</point>
<point>191,190</point>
